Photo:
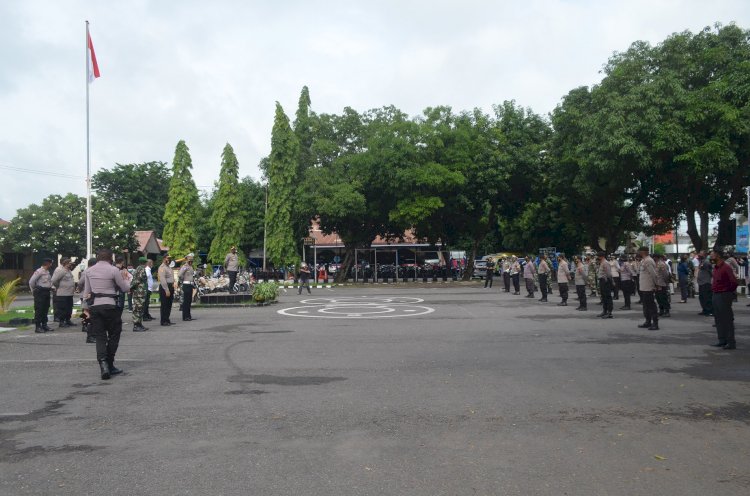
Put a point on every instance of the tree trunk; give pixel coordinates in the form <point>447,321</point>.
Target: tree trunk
<point>704,229</point>
<point>612,242</point>
<point>343,270</point>
<point>692,231</point>
<point>470,262</point>
<point>725,236</point>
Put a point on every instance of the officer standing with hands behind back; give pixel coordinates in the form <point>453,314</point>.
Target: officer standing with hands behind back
<point>185,281</point>
<point>232,266</point>
<point>166,290</point>
<point>41,287</point>
<point>103,283</point>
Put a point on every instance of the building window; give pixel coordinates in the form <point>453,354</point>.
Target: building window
<point>12,261</point>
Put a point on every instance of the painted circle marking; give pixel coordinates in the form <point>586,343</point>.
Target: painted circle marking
<point>347,309</point>
<point>358,307</point>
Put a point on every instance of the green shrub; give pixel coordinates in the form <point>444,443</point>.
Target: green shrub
<point>265,291</point>
<point>8,293</point>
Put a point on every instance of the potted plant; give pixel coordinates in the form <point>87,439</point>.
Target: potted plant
<point>265,293</point>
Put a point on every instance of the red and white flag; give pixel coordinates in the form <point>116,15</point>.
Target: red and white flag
<point>92,65</point>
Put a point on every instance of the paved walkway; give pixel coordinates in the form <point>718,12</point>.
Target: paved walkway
<point>486,393</point>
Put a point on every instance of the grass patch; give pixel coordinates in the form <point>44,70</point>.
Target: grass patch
<point>15,312</point>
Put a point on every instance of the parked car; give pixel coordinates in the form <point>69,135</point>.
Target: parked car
<point>480,268</point>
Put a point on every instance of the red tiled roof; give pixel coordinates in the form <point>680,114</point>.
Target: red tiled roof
<point>143,238</point>
<point>4,222</point>
<point>333,239</point>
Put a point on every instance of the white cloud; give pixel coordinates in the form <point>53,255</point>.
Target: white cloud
<point>210,72</point>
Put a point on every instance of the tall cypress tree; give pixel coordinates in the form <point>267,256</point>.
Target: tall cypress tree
<point>228,217</point>
<point>282,184</point>
<point>303,130</point>
<point>182,207</point>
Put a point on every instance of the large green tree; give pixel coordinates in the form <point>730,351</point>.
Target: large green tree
<point>228,214</point>
<point>304,122</point>
<point>358,159</point>
<point>471,144</point>
<point>58,225</point>
<point>182,207</point>
<point>139,191</point>
<point>253,199</point>
<point>666,134</point>
<point>701,142</point>
<point>283,179</point>
<point>303,129</point>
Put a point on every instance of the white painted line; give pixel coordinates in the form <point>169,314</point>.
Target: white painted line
<point>67,360</point>
<point>14,414</point>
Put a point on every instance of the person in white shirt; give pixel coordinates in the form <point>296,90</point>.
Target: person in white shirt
<point>149,286</point>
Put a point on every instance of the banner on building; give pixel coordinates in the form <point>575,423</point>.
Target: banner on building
<point>742,239</point>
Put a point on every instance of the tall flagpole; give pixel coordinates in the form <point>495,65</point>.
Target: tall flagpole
<point>89,248</point>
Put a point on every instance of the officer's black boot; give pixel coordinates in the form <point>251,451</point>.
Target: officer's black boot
<point>104,368</point>
<point>112,369</point>
<point>90,339</point>
<point>39,329</point>
<point>46,328</point>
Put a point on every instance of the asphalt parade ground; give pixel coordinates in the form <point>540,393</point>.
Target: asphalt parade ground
<point>386,390</point>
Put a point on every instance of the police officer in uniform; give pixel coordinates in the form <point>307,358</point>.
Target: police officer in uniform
<point>103,283</point>
<point>580,281</point>
<point>515,275</point>
<point>506,275</point>
<point>185,280</point>
<point>232,266</point>
<point>64,287</point>
<point>41,287</point>
<point>85,314</point>
<point>626,282</point>
<point>648,286</point>
<point>529,273</point>
<point>166,290</point>
<point>543,273</point>
<point>663,281</point>
<point>606,283</point>
<point>563,279</point>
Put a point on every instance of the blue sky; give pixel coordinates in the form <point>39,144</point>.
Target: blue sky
<point>210,72</point>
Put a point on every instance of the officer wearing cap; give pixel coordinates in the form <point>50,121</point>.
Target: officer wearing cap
<point>41,287</point>
<point>185,281</point>
<point>232,266</point>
